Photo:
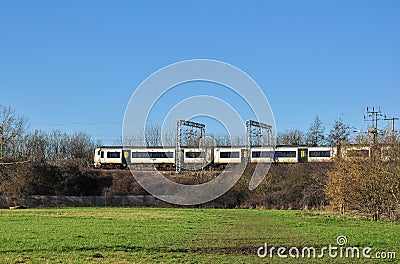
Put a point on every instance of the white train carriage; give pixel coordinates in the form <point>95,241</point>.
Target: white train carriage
<point>321,154</point>
<point>108,156</point>
<point>228,155</point>
<point>262,155</point>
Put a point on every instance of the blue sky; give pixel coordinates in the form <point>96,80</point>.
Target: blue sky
<point>73,65</point>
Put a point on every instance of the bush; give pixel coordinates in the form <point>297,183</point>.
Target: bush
<point>367,187</point>
<point>36,178</point>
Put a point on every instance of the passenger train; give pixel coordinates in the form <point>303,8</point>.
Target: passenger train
<point>165,157</point>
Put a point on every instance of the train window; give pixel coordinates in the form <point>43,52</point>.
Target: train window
<point>320,154</point>
<point>155,155</point>
<point>102,155</point>
<point>227,155</point>
<point>266,154</point>
<point>161,155</point>
<point>113,155</point>
<point>285,154</point>
<point>193,155</point>
<point>140,155</point>
<point>261,154</point>
<point>152,155</point>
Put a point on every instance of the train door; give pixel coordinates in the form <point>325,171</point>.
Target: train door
<point>102,157</point>
<point>126,156</point>
<point>302,155</point>
<point>245,155</point>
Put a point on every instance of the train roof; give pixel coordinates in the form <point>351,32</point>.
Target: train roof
<point>162,147</point>
<point>135,147</point>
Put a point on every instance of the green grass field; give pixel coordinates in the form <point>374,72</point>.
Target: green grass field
<point>154,235</point>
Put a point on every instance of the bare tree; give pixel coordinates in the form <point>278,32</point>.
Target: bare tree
<point>12,129</point>
<point>361,139</point>
<point>169,138</point>
<point>132,140</point>
<point>221,140</point>
<point>315,135</point>
<point>153,135</point>
<point>58,145</point>
<point>81,146</point>
<point>292,137</point>
<point>37,144</point>
<point>339,134</point>
<point>238,140</point>
<point>53,147</point>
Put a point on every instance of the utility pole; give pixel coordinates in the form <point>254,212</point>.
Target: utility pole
<point>392,131</point>
<point>373,115</point>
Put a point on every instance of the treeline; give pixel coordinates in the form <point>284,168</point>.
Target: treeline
<point>315,136</point>
<point>18,144</point>
<point>43,163</point>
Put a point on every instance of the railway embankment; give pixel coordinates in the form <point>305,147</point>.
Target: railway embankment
<point>286,186</point>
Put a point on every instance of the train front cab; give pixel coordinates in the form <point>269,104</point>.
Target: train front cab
<point>108,157</point>
<point>96,159</point>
